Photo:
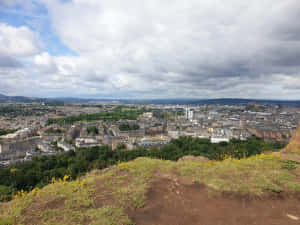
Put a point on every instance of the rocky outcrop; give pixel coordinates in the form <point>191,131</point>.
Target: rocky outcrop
<point>294,145</point>
<point>271,134</point>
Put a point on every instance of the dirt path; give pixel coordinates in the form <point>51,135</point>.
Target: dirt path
<point>173,203</point>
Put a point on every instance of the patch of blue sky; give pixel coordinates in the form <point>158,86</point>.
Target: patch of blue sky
<point>38,21</point>
<point>54,46</point>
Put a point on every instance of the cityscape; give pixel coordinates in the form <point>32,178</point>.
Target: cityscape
<point>37,129</point>
<point>149,112</point>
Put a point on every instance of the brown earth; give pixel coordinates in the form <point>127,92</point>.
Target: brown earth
<point>40,205</point>
<point>171,202</point>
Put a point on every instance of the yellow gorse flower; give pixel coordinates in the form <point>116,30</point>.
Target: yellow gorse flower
<point>82,182</point>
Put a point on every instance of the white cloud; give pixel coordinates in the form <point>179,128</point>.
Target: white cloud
<point>45,63</point>
<point>17,41</point>
<point>162,48</point>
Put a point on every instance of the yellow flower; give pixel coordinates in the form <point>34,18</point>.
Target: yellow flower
<point>66,177</point>
<point>82,183</point>
<point>35,190</point>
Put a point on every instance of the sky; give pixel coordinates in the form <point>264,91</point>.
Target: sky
<point>150,48</point>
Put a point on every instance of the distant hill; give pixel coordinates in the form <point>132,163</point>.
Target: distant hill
<point>180,101</point>
<point>47,101</point>
<point>4,98</point>
<point>221,101</point>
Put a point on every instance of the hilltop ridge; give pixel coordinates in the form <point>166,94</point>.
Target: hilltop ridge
<point>258,190</point>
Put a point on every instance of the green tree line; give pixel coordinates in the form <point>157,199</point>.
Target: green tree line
<point>40,171</point>
<point>7,131</point>
<point>116,115</point>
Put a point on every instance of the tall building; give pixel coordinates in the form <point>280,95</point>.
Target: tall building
<point>189,113</point>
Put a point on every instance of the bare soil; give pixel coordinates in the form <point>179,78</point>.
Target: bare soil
<point>172,202</point>
<point>38,206</point>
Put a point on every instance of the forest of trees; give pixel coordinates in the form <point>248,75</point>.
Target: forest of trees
<point>41,170</point>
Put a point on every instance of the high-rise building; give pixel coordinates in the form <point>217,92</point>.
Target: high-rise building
<point>189,113</point>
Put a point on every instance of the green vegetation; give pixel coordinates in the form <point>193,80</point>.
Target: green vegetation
<point>250,176</point>
<point>168,115</point>
<point>104,197</point>
<point>73,203</point>
<point>40,171</point>
<point>7,131</point>
<point>128,127</point>
<point>118,114</point>
<point>290,165</point>
<point>6,193</point>
<point>92,130</point>
<point>55,131</point>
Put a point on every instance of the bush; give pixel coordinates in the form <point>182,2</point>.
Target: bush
<point>6,193</point>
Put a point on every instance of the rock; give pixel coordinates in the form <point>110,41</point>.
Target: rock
<point>292,217</point>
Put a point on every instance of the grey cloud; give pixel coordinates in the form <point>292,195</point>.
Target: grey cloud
<point>9,62</point>
<point>194,48</point>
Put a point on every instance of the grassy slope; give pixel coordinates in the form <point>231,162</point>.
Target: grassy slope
<point>103,197</point>
<point>294,145</point>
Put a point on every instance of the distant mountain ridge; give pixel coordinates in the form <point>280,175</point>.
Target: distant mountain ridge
<point>180,101</point>
<point>5,99</point>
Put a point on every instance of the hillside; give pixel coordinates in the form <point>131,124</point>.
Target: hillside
<point>47,101</point>
<point>294,145</point>
<point>262,189</point>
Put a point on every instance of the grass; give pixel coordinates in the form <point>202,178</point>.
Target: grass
<point>73,202</point>
<point>129,182</point>
<point>109,215</point>
<point>251,176</point>
<point>290,165</point>
<point>10,213</point>
<point>124,187</point>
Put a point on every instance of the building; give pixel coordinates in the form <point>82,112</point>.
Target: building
<point>87,142</point>
<point>15,148</point>
<point>45,147</point>
<point>65,146</point>
<point>189,113</point>
<point>148,115</point>
<point>218,140</point>
<point>153,141</point>
<point>114,141</point>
